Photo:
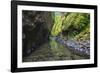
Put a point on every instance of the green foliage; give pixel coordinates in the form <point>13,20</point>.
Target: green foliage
<point>72,24</point>
<point>57,27</point>
<point>76,23</point>
<point>68,21</point>
<point>84,35</point>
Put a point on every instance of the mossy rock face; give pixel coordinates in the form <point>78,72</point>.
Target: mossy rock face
<point>76,25</point>
<point>83,35</point>
<point>36,29</point>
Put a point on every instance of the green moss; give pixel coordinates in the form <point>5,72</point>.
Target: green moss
<point>83,35</point>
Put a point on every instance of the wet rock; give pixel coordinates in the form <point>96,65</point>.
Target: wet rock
<point>81,48</point>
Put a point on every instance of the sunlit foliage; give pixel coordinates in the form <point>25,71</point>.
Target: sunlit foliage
<point>70,25</point>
